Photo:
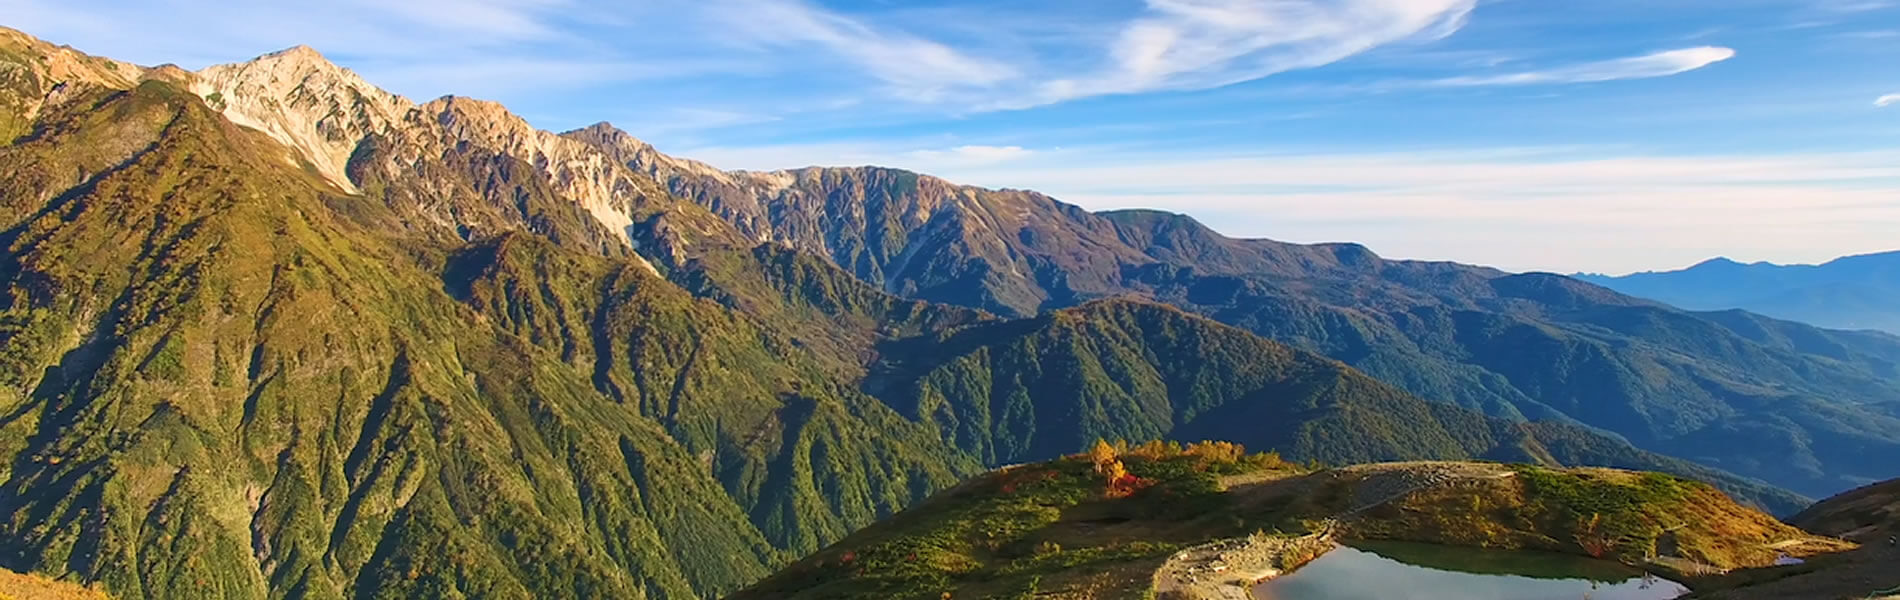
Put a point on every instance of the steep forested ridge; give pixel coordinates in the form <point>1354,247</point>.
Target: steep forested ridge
<point>269,332</point>
<point>1024,390</point>
<point>224,379</point>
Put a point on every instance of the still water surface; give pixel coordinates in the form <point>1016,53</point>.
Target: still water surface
<point>1403,571</point>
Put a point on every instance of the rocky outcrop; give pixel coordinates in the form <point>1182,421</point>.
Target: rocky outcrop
<point>457,164</point>
<point>305,102</point>
<point>1229,569</point>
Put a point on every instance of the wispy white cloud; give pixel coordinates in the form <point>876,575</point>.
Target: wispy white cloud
<point>782,54</point>
<point>1196,44</point>
<point>971,155</point>
<point>915,67</point>
<point>1168,45</point>
<point>1659,64</point>
<point>1872,35</point>
<point>1887,100</point>
<point>1855,6</point>
<point>690,119</point>
<point>501,76</point>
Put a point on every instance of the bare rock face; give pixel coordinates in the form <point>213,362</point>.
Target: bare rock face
<point>325,114</point>
<point>578,172</point>
<point>316,108</point>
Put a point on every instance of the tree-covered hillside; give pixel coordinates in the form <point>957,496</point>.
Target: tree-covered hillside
<point>1031,389</point>
<point>224,381</point>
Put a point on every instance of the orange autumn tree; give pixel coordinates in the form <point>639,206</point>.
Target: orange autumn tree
<point>1102,454</point>
<point>1108,464</point>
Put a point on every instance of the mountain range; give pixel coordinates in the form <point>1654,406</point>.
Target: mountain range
<point>1854,292</point>
<point>267,331</point>
<point>1792,404</point>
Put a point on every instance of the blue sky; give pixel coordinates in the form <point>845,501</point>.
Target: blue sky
<point>1609,135</point>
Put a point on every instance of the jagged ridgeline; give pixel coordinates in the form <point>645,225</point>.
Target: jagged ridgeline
<point>267,331</point>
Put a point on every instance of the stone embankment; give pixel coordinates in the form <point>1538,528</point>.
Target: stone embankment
<point>1228,569</point>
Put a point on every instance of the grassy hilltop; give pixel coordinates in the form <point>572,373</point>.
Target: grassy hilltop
<point>1098,525</point>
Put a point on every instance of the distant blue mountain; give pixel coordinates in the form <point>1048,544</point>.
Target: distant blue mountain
<point>1854,292</point>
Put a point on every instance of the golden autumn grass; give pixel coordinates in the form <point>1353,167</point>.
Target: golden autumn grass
<point>16,586</point>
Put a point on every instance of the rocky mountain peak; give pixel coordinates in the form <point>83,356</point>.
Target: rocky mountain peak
<point>481,120</point>
<point>318,109</point>
<point>299,52</point>
<point>580,171</point>
<point>643,157</point>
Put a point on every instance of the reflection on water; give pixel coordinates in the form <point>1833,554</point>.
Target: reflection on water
<point>1399,571</point>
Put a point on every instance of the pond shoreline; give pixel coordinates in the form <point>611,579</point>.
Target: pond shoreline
<point>1400,569</point>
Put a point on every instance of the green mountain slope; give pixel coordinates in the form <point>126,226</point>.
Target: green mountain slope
<point>221,383</point>
<point>1707,387</point>
<point>1031,389</point>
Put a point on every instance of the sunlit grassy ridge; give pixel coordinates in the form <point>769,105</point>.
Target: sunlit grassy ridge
<point>1619,515</point>
<point>1058,527</point>
<point>15,586</point>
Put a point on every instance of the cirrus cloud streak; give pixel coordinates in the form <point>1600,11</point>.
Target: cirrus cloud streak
<point>1647,66</point>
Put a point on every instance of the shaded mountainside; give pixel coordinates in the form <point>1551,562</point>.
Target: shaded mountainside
<point>1853,292</point>
<point>1864,514</point>
<point>1061,529</point>
<point>268,332</point>
<point>1812,409</point>
<point>1030,389</point>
